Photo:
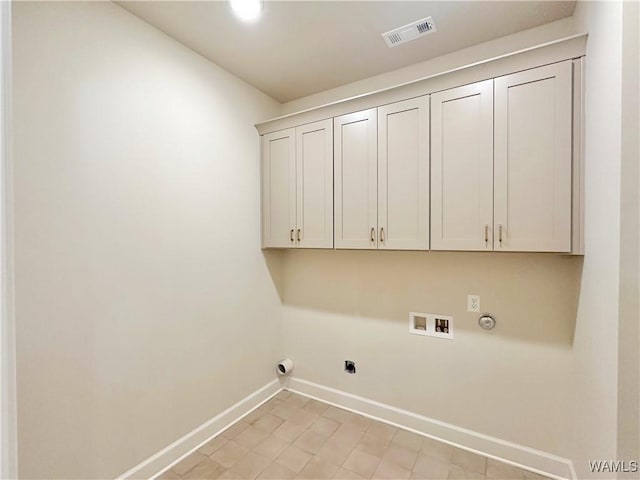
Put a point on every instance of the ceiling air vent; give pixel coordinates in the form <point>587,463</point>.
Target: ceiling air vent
<point>409,32</point>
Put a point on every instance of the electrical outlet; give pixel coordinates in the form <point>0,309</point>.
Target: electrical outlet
<point>350,366</point>
<point>473,303</point>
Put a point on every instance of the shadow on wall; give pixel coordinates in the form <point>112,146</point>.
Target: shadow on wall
<point>273,261</point>
<point>534,297</point>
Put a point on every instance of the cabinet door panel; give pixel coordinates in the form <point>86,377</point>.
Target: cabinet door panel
<point>314,206</point>
<point>533,160</point>
<point>278,188</point>
<point>403,175</point>
<point>355,187</point>
<point>462,168</point>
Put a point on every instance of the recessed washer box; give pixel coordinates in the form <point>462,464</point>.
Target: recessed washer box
<point>431,325</point>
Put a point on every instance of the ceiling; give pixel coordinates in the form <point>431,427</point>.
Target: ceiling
<point>300,48</point>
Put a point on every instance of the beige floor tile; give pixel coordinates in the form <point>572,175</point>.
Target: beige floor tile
<point>324,426</point>
<point>335,452</point>
<point>458,473</point>
<point>276,471</point>
<point>315,407</point>
<point>289,431</point>
<point>311,442</point>
<point>188,463</point>
<point>409,440</point>
<point>359,421</point>
<point>317,468</point>
<point>347,435</point>
<point>213,445</point>
<point>337,414</point>
<point>470,462</point>
<point>417,476</point>
<point>382,430</point>
<point>251,437</point>
<point>431,468</point>
<point>401,456</point>
<point>256,414</point>
<point>169,475</point>
<point>373,445</point>
<point>271,404</point>
<point>293,458</point>
<point>251,465</point>
<point>297,401</point>
<point>205,470</point>
<point>302,418</point>
<point>291,437</point>
<point>436,449</point>
<point>344,474</point>
<point>231,474</point>
<point>267,422</point>
<point>234,430</point>
<point>283,395</point>
<point>502,471</point>
<point>271,447</point>
<point>361,463</point>
<point>283,411</point>
<point>229,454</point>
<point>390,471</point>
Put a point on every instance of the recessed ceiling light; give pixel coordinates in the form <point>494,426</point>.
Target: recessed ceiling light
<point>247,10</point>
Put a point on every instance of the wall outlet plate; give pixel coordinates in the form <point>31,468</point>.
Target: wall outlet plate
<point>418,323</point>
<point>431,325</point>
<point>473,303</point>
<point>441,326</point>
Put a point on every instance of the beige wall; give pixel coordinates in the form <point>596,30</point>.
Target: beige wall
<point>594,376</point>
<point>629,337</point>
<point>144,303</point>
<point>461,58</point>
<point>510,383</point>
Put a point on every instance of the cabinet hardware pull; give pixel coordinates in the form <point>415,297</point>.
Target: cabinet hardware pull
<point>486,234</point>
<point>298,235</point>
<point>373,234</point>
<point>381,234</point>
<point>291,235</point>
<point>500,234</point>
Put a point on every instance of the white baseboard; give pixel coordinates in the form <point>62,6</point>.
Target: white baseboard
<point>181,448</point>
<point>521,456</point>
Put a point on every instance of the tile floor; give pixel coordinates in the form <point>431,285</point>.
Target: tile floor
<point>293,437</point>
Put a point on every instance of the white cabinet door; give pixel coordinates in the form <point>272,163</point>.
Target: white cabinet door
<point>462,168</point>
<point>403,175</point>
<point>355,186</point>
<point>278,189</point>
<point>533,160</point>
<point>314,167</point>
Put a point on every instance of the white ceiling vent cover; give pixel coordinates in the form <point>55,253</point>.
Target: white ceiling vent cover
<point>409,32</point>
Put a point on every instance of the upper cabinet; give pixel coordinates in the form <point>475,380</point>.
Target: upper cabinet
<point>297,187</point>
<point>382,177</point>
<point>356,180</point>
<point>403,175</point>
<point>462,168</point>
<point>489,166</point>
<point>279,189</point>
<point>532,162</point>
